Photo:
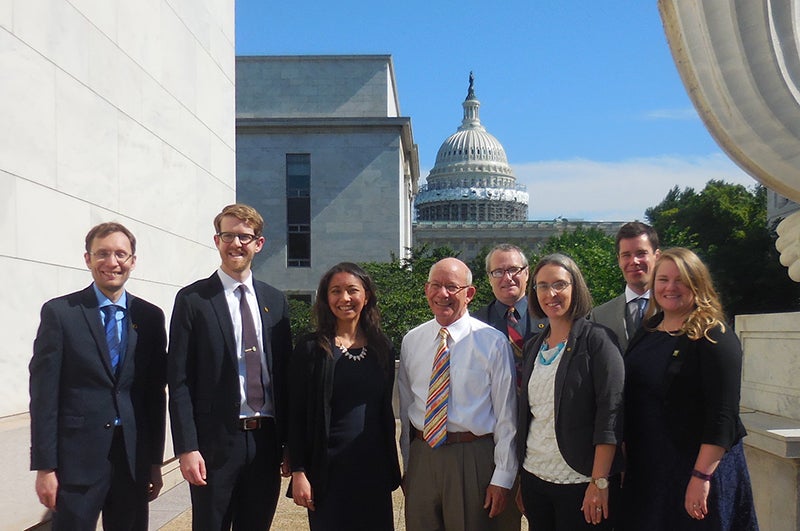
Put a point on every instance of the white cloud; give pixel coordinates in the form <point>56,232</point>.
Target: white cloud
<point>687,113</point>
<point>617,191</point>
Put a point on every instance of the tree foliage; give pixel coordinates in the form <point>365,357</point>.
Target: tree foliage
<point>593,251</point>
<point>725,224</point>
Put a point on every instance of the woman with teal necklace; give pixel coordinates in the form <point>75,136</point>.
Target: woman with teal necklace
<point>570,405</point>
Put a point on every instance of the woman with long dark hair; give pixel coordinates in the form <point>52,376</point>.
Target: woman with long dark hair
<point>341,437</point>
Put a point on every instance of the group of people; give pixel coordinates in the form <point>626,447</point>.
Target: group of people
<point>623,416</point>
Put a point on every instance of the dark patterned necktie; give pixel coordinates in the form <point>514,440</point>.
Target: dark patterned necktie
<point>254,386</point>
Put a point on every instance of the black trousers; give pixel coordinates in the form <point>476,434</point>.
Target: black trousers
<point>557,507</point>
<point>242,491</point>
<point>121,500</point>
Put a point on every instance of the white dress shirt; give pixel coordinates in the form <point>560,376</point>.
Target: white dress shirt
<point>483,397</point>
<point>229,286</point>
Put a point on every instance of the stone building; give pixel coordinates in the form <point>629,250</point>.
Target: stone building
<point>471,180</point>
<point>472,201</point>
<point>111,111</point>
<point>324,154</point>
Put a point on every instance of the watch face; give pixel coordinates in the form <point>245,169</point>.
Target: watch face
<point>602,483</point>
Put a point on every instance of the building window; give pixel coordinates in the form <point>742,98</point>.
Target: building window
<point>298,210</point>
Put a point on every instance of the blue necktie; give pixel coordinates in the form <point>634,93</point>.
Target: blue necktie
<point>112,337</point>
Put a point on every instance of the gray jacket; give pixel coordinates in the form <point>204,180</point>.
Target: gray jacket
<point>588,396</point>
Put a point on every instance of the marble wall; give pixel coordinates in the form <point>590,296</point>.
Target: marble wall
<point>111,110</point>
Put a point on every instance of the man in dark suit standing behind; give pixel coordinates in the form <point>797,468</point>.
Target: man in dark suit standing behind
<point>507,268</point>
<point>229,344</point>
<point>637,251</point>
<point>97,386</point>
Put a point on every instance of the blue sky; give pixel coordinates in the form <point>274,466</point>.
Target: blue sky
<point>583,95</point>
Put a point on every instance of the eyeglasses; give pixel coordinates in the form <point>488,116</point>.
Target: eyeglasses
<point>558,286</point>
<point>121,256</point>
<point>452,289</point>
<point>244,238</point>
<point>511,271</point>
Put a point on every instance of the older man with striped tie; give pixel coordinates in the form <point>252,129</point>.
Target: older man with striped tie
<point>457,408</point>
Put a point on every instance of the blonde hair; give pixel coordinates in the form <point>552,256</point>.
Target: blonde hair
<point>707,313</point>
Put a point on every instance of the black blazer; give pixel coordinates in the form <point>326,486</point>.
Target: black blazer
<point>311,388</point>
<point>202,370</point>
<point>703,386</point>
<point>75,396</point>
<point>588,395</point>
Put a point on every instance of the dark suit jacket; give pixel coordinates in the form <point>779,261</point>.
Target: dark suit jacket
<point>611,314</point>
<point>535,326</point>
<point>703,385</point>
<point>203,374</point>
<point>311,389</point>
<point>588,396</point>
<point>75,397</point>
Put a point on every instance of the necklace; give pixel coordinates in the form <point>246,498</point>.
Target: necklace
<point>558,349</point>
<point>354,357</point>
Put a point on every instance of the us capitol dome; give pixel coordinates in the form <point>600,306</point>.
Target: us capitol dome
<point>471,179</point>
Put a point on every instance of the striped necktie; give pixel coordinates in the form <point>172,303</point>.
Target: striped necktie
<point>515,338</point>
<point>435,432</point>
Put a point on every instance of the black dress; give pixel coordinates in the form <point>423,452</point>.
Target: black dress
<point>657,470</point>
<point>356,496</point>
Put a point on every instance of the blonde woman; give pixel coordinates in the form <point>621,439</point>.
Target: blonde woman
<point>685,464</point>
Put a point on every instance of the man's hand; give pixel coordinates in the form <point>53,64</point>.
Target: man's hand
<point>193,468</point>
<point>47,487</point>
<point>496,498</point>
<point>286,466</point>
<point>156,482</point>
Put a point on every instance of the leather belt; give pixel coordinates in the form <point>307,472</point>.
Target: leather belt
<point>252,423</point>
<point>456,437</point>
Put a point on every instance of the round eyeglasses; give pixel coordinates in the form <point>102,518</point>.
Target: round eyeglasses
<point>244,238</point>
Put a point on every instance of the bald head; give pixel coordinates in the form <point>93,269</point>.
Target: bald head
<point>449,290</point>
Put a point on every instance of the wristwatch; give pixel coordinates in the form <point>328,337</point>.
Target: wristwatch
<point>600,483</point>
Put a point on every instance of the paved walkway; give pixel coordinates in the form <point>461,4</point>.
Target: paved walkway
<point>171,511</point>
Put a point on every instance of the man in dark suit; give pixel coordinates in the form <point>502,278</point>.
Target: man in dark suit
<point>228,350</point>
<point>507,268</point>
<point>98,402</point>
<point>637,251</point>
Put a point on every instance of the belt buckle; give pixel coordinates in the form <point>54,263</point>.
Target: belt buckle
<point>250,424</point>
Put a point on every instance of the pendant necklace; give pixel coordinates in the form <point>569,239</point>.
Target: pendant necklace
<point>353,357</point>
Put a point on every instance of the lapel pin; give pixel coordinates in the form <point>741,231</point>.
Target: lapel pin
<point>266,309</point>
<point>675,353</point>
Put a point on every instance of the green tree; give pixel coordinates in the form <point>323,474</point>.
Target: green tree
<point>401,289</point>
<point>593,251</point>
<point>300,318</point>
<point>725,224</point>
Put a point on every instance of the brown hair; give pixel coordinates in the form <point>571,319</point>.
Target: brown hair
<point>244,213</point>
<point>581,303</point>
<point>104,229</point>
<point>634,229</point>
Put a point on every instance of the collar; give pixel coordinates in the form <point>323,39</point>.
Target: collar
<point>457,330</point>
<point>102,300</point>
<point>631,295</point>
<point>229,284</point>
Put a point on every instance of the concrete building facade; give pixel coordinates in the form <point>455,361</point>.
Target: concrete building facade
<point>110,110</point>
<point>323,153</point>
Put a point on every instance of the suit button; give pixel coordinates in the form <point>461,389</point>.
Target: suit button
<point>109,425</point>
